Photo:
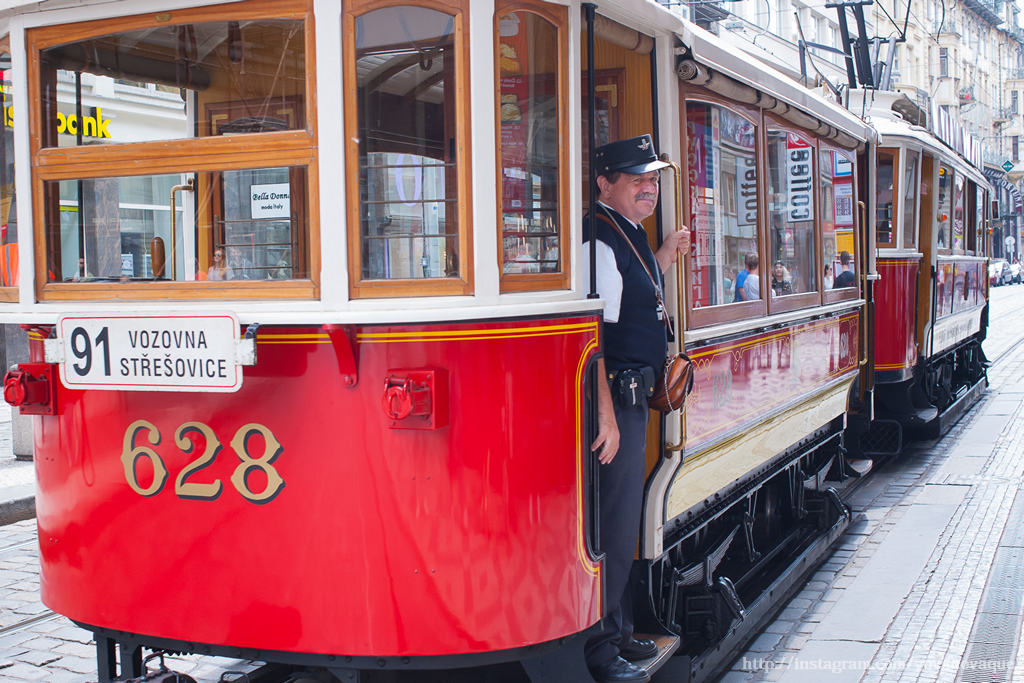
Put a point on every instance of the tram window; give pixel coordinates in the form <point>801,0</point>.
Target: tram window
<point>408,142</point>
<point>195,80</point>
<point>959,229</point>
<point>791,214</point>
<point>977,236</point>
<point>121,208</point>
<point>530,107</point>
<point>942,224</point>
<point>725,229</point>
<point>837,213</point>
<point>909,200</point>
<point>884,195</point>
<point>245,224</point>
<point>8,212</point>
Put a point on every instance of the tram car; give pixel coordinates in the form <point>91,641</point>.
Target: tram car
<point>313,361</point>
<point>930,308</point>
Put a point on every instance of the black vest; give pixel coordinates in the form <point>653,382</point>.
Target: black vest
<point>638,338</point>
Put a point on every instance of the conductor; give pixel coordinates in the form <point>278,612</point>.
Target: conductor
<point>630,280</point>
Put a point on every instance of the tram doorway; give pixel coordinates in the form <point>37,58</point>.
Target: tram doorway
<point>623,102</point>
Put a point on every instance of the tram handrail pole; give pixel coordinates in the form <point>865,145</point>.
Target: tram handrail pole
<point>590,10</point>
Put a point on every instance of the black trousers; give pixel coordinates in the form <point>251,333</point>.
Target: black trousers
<point>621,488</point>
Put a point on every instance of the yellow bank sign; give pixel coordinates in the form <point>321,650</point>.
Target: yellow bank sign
<point>93,126</point>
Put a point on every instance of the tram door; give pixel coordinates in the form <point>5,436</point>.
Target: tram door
<point>624,108</point>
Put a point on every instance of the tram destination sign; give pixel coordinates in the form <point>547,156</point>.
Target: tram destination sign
<point>150,353</point>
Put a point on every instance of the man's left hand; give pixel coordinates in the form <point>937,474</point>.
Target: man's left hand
<point>675,243</point>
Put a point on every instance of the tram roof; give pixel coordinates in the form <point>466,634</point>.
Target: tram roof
<point>731,60</point>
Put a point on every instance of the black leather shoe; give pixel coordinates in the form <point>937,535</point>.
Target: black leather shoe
<point>635,650</point>
<point>620,670</point>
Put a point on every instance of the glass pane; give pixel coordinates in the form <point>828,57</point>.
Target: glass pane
<point>945,208</point>
<point>909,201</point>
<point>528,62</point>
<point>958,213</point>
<point>979,221</point>
<point>172,82</point>
<point>837,172</point>
<point>8,210</point>
<point>722,188</point>
<point>405,73</point>
<point>884,199</point>
<point>791,213</point>
<point>232,225</point>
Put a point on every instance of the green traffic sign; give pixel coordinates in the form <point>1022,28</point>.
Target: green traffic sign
<point>1007,165</point>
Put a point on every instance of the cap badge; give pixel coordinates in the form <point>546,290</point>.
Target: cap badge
<point>644,144</point>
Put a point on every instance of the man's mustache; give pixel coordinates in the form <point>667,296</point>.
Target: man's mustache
<point>653,196</point>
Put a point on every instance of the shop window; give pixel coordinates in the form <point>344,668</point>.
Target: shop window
<point>722,157</point>
<point>884,198</point>
<point>531,121</point>
<point>253,72</point>
<point>944,218</point>
<point>123,229</point>
<point>8,213</point>
<point>792,246</point>
<point>908,204</point>
<point>122,208</point>
<point>838,243</point>
<point>410,187</point>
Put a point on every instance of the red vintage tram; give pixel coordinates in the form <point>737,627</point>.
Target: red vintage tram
<point>930,301</point>
<point>312,357</point>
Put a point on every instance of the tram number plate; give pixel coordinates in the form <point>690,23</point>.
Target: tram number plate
<point>150,353</point>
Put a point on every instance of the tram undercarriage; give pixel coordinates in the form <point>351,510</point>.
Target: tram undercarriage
<point>731,567</point>
<point>926,405</point>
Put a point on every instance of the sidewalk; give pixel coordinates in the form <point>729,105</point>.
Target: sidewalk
<point>927,583</point>
<point>17,477</point>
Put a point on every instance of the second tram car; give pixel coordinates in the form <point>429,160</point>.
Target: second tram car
<point>312,358</point>
<point>930,302</point>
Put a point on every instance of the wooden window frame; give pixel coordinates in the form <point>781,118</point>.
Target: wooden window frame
<point>744,310</point>
<point>10,294</point>
<point>940,164</point>
<point>829,296</point>
<point>970,217</point>
<point>905,155</point>
<point>558,16</point>
<point>418,287</point>
<point>895,221</point>
<point>243,151</point>
<point>792,302</point>
<point>962,177</point>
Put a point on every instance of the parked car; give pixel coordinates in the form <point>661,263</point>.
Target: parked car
<point>999,272</point>
<point>1015,273</point>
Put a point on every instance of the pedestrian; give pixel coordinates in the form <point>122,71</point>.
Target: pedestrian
<point>749,266</point>
<point>781,283</point>
<point>220,270</point>
<point>845,278</point>
<point>635,344</point>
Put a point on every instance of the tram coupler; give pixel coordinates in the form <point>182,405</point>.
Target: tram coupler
<point>32,388</point>
<point>416,399</point>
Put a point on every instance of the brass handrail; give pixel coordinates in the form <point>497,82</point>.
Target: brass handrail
<point>680,295</point>
<point>188,187</point>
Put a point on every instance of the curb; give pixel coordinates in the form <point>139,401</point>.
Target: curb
<point>17,510</point>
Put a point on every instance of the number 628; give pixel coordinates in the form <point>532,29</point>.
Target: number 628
<point>195,490</point>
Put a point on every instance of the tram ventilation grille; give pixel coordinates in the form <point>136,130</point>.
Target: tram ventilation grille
<point>884,437</point>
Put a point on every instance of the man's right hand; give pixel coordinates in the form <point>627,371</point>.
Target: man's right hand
<point>606,445</point>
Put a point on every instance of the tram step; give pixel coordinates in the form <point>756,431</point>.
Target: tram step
<point>883,437</point>
<point>858,467</point>
<point>667,645</point>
